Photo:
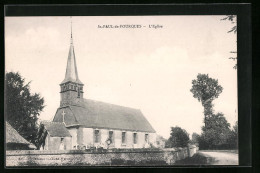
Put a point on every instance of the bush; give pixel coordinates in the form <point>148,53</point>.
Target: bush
<point>179,138</point>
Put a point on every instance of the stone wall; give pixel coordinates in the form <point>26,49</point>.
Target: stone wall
<point>129,157</point>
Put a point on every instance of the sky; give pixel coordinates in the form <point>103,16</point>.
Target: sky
<point>145,68</point>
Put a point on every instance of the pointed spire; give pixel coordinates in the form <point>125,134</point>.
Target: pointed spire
<point>71,71</point>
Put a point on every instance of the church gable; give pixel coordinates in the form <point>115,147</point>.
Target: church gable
<point>65,115</point>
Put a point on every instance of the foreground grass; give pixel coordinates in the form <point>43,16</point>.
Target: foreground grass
<point>196,159</point>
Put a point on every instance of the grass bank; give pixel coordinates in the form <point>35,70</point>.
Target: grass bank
<point>196,159</point>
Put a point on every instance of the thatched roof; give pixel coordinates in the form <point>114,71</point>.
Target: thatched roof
<point>56,129</point>
<point>96,114</point>
<point>12,136</point>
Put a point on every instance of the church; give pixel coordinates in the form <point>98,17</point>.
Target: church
<point>84,123</point>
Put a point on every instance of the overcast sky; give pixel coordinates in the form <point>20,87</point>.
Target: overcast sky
<point>149,69</point>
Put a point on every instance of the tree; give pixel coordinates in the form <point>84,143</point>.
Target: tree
<point>216,134</point>
<point>178,138</point>
<point>206,89</point>
<point>195,138</point>
<point>22,107</point>
<point>233,140</point>
<point>233,19</point>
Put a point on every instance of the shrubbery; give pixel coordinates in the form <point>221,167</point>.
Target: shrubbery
<point>179,138</point>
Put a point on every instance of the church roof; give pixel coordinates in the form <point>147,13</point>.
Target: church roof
<point>71,70</point>
<point>96,114</point>
<point>56,129</point>
<point>12,136</point>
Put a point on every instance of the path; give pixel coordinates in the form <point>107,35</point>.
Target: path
<point>221,157</point>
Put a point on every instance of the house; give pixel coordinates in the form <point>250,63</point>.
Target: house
<point>53,136</point>
<point>95,123</point>
<point>14,141</point>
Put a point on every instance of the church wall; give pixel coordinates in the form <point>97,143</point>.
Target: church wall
<point>80,136</point>
<point>67,143</point>
<point>73,133</point>
<point>141,140</point>
<point>129,139</point>
<point>104,136</point>
<point>87,137</point>
<point>55,142</point>
<point>118,139</point>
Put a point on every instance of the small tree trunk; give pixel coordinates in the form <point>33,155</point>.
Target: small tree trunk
<point>207,111</point>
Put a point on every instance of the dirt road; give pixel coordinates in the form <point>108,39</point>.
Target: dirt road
<point>221,158</point>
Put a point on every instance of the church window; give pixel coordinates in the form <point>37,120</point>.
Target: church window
<point>62,147</point>
<point>123,137</point>
<point>146,138</point>
<point>97,136</point>
<point>135,138</point>
<point>111,136</point>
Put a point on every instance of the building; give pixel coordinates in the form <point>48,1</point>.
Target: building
<point>14,141</point>
<point>53,136</point>
<point>95,123</point>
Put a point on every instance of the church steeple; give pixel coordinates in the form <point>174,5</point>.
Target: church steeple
<point>71,70</point>
<point>71,86</point>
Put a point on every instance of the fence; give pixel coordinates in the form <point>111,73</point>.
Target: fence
<point>141,157</point>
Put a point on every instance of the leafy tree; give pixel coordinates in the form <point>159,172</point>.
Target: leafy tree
<point>216,134</point>
<point>195,138</point>
<point>233,140</point>
<point>22,107</point>
<point>178,138</point>
<point>206,89</point>
<point>233,19</point>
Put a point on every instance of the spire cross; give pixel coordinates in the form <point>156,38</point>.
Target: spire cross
<point>63,113</point>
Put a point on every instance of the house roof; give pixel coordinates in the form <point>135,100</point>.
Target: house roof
<point>56,129</point>
<point>12,136</point>
<point>96,114</point>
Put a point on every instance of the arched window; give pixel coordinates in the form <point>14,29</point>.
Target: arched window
<point>135,138</point>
